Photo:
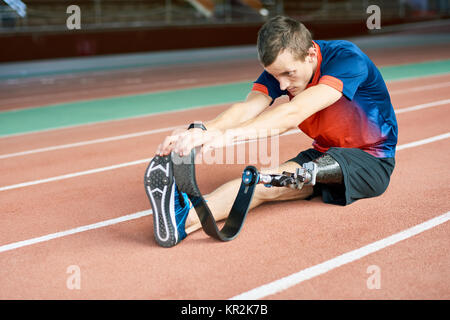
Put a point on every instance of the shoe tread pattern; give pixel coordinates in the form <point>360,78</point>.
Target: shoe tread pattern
<point>184,172</point>
<point>156,180</point>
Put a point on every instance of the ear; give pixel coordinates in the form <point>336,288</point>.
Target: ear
<point>312,54</point>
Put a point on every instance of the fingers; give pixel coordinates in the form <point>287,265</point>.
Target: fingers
<point>212,144</point>
<point>181,142</point>
<point>166,147</point>
<point>169,142</point>
<point>218,140</point>
<point>187,142</point>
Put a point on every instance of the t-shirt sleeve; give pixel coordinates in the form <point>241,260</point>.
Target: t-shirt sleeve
<point>345,72</point>
<point>267,84</point>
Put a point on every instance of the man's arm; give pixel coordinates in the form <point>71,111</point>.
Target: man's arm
<point>234,116</point>
<point>240,112</point>
<point>283,117</point>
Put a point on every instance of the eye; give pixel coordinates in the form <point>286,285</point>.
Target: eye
<point>291,73</point>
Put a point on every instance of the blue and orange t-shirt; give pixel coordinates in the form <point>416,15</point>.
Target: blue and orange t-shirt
<point>362,118</point>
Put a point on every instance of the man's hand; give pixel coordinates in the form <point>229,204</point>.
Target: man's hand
<point>169,142</point>
<point>183,141</point>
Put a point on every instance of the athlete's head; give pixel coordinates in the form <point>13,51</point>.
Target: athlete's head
<point>286,51</point>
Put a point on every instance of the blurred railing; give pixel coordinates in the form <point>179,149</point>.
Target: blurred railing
<point>50,15</point>
<point>353,10</point>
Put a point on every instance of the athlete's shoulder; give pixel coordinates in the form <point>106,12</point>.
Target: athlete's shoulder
<point>343,66</point>
<point>333,48</point>
<point>342,55</point>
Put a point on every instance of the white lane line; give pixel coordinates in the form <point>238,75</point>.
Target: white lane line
<point>423,141</point>
<point>136,215</point>
<point>145,90</point>
<point>88,142</point>
<point>97,170</point>
<point>131,84</point>
<point>423,106</point>
<point>73,175</point>
<point>61,234</point>
<point>132,163</point>
<point>115,120</point>
<point>150,132</point>
<point>421,88</point>
<point>319,269</point>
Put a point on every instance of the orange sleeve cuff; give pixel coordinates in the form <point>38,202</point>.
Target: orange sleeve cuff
<point>332,82</point>
<point>261,88</point>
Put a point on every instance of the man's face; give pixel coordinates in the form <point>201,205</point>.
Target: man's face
<point>293,74</point>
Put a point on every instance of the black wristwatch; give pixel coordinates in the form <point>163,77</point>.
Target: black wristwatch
<point>197,125</point>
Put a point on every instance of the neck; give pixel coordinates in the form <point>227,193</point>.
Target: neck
<point>314,69</point>
<point>316,61</point>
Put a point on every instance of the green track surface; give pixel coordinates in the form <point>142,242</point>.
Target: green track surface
<point>99,110</point>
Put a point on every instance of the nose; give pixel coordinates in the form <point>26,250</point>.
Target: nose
<point>284,84</point>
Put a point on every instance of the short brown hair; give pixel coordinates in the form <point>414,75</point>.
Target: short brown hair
<point>280,33</point>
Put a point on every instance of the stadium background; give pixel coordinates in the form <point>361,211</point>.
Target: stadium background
<point>82,112</point>
<point>113,26</point>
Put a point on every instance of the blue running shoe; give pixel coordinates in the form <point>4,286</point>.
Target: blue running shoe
<point>182,208</point>
<point>170,207</point>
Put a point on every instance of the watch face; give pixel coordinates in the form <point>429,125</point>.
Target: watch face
<point>197,125</point>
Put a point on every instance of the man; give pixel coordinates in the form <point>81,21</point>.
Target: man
<point>337,97</point>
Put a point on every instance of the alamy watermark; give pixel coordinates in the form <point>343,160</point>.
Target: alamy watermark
<point>73,22</point>
<point>262,147</point>
<point>374,281</point>
<point>374,20</point>
<point>73,282</point>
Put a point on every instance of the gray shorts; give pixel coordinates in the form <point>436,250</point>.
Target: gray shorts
<point>365,176</point>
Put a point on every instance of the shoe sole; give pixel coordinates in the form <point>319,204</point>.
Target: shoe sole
<point>160,188</point>
<point>184,171</point>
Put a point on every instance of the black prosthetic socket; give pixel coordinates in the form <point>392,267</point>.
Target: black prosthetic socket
<point>329,171</point>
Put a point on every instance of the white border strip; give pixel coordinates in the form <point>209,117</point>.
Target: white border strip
<point>319,269</point>
<point>24,243</point>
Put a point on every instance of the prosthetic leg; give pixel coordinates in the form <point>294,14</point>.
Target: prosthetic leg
<point>324,170</point>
